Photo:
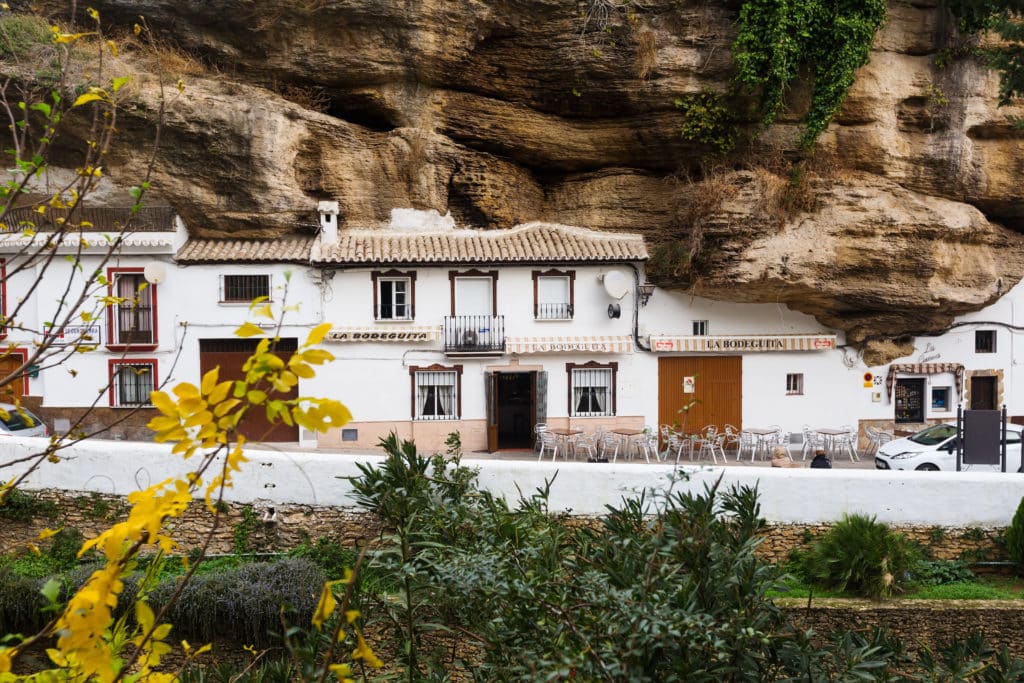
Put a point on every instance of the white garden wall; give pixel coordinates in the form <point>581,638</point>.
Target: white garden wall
<point>787,495</point>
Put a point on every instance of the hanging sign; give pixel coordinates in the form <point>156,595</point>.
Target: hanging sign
<point>869,380</point>
<point>751,343</point>
<point>689,385</point>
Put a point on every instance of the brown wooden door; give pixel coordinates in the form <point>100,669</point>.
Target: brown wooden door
<point>13,389</point>
<point>230,355</point>
<point>983,393</point>
<point>717,396</point>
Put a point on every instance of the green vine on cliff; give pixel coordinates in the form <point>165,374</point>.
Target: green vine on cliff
<point>1005,19</point>
<point>779,40</point>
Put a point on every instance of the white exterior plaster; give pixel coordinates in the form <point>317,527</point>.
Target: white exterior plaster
<point>952,499</point>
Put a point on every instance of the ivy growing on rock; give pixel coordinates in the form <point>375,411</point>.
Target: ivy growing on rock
<point>1003,18</point>
<point>779,40</point>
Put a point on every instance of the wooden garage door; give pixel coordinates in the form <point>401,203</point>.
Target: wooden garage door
<point>230,355</point>
<point>718,391</point>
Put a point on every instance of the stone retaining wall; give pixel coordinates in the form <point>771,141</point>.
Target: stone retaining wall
<point>293,524</point>
<point>918,623</point>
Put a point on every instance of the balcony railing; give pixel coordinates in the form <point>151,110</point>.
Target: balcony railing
<point>554,312</point>
<point>101,218</point>
<point>474,334</point>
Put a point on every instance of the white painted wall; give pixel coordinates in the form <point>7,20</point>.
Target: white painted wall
<point>963,499</point>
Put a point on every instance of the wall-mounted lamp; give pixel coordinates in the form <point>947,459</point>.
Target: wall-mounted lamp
<point>645,290</point>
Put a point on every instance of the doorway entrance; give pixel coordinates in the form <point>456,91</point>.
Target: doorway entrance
<point>513,408</point>
<point>983,393</point>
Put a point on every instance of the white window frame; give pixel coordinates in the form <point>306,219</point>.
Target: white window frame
<point>566,303</point>
<point>432,404</point>
<point>794,384</point>
<point>123,369</point>
<point>407,281</point>
<point>700,328</point>
<point>245,302</point>
<point>949,398</point>
<point>588,384</point>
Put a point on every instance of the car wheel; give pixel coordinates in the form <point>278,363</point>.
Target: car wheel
<point>927,467</point>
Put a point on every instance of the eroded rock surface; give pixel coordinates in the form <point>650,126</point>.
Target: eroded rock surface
<point>515,110</point>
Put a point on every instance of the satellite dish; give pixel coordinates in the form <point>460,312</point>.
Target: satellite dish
<point>616,284</point>
<point>154,272</point>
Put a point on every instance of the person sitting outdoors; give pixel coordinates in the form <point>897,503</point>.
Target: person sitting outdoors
<point>821,460</point>
<point>781,458</point>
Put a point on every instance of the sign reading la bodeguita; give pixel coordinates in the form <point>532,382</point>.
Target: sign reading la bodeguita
<point>744,343</point>
<point>342,334</point>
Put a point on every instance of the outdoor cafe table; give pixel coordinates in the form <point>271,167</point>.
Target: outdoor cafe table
<point>830,435</point>
<point>564,434</point>
<point>627,438</point>
<point>762,434</point>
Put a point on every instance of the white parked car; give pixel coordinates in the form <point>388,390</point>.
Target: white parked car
<point>21,423</point>
<point>934,448</point>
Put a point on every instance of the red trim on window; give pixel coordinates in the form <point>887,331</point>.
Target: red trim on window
<point>375,275</point>
<point>112,345</point>
<point>113,363</point>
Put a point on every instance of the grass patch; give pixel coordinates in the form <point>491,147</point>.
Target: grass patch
<point>964,591</point>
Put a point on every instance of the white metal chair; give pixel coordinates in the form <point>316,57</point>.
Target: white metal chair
<point>711,443</point>
<point>647,444</point>
<point>847,443</point>
<point>537,429</point>
<point>585,443</point>
<point>610,441</point>
<point>732,439</point>
<point>548,441</point>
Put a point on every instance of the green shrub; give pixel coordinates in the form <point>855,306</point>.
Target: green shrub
<point>20,33</point>
<point>21,604</point>
<point>1015,536</point>
<point>861,555</point>
<point>942,572</point>
<point>329,555</point>
<point>22,506</point>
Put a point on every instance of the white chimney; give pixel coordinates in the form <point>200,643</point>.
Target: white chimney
<point>328,222</point>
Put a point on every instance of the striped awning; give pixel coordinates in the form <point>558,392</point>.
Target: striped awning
<point>746,343</point>
<point>385,334</point>
<point>957,369</point>
<point>612,344</point>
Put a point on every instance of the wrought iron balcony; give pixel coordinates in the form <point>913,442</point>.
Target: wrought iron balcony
<point>474,334</point>
<point>554,312</point>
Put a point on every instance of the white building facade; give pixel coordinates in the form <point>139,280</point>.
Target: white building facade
<point>438,329</point>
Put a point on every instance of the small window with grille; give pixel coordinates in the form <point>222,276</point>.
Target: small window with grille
<point>242,289</point>
<point>794,384</point>
<point>436,395</point>
<point>131,382</point>
<point>985,341</point>
<point>591,390</point>
<point>700,328</point>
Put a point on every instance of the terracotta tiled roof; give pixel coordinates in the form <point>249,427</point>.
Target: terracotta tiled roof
<point>289,249</point>
<point>528,243</point>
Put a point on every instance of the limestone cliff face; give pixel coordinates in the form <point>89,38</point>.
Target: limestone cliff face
<point>505,111</point>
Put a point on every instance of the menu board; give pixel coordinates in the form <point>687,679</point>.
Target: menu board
<point>910,400</point>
